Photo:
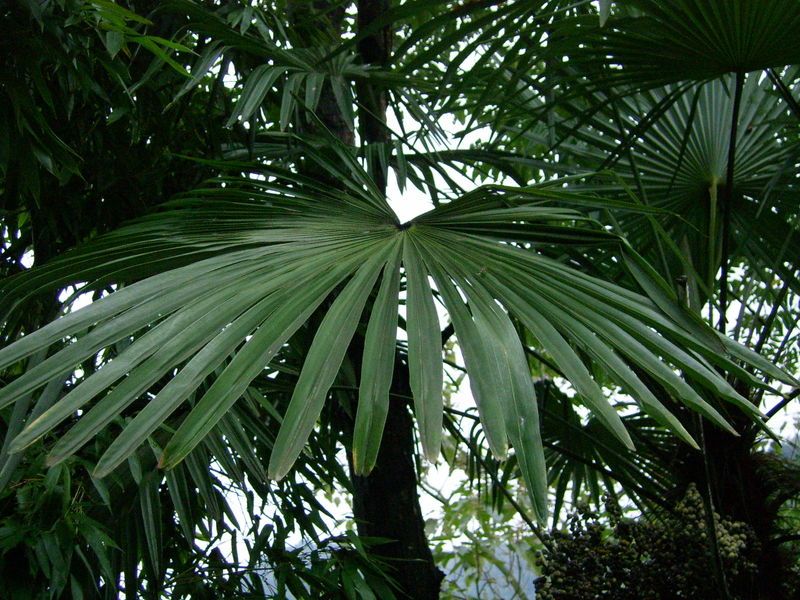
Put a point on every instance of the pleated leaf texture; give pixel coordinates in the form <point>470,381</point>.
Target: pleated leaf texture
<point>212,287</point>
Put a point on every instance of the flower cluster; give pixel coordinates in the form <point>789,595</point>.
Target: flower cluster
<point>611,557</point>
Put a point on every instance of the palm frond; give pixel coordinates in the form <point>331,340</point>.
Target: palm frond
<point>231,273</point>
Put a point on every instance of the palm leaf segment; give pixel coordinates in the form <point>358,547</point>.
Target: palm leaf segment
<point>226,275</point>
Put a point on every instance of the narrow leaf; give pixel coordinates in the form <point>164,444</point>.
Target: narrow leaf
<point>424,350</point>
<point>376,370</point>
<point>321,366</point>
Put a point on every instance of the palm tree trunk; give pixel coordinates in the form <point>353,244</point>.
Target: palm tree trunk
<point>386,502</point>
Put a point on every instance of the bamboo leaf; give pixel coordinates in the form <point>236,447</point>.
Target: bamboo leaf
<point>258,85</point>
<point>289,99</point>
<point>605,11</point>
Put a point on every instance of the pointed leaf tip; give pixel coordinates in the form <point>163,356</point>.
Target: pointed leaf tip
<point>605,11</point>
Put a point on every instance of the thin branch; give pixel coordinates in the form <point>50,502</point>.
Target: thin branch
<point>784,91</point>
<point>709,514</point>
<point>782,404</point>
<point>767,329</point>
<point>447,333</point>
<point>537,531</point>
<point>538,356</point>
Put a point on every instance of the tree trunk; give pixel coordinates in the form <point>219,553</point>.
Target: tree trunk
<point>386,502</point>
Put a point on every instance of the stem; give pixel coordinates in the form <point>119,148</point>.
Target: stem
<point>727,204</point>
<point>710,523</point>
<point>782,404</point>
<point>712,244</point>
<point>537,531</point>
<point>784,91</point>
<point>767,329</point>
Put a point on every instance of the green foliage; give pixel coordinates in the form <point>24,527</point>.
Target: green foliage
<point>202,171</point>
<point>236,282</point>
<point>141,532</point>
<point>337,567</point>
<point>60,537</point>
<point>485,550</point>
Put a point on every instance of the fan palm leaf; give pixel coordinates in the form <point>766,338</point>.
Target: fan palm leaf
<point>669,146</point>
<point>217,283</point>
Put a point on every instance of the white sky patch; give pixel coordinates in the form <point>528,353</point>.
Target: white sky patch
<point>76,299</point>
<point>27,259</point>
<point>409,203</point>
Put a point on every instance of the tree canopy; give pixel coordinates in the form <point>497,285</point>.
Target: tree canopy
<point>205,287</point>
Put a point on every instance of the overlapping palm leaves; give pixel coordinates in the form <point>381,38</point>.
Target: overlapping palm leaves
<point>654,42</point>
<point>567,51</point>
<point>173,240</point>
<point>225,275</point>
<point>630,95</point>
<point>234,271</point>
<point>584,459</point>
<point>670,147</point>
<point>80,530</point>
